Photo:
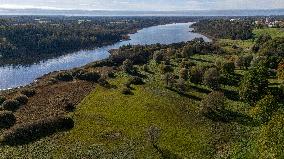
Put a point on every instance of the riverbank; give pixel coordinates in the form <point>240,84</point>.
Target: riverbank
<point>15,76</point>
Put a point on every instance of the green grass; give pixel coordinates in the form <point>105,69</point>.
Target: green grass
<point>109,124</point>
<point>273,32</point>
<point>244,45</point>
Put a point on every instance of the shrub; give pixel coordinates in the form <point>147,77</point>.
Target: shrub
<point>219,64</point>
<point>264,108</point>
<point>2,99</point>
<point>254,84</point>
<point>186,64</point>
<point>169,79</point>
<point>102,63</point>
<point>69,106</point>
<point>27,132</point>
<point>211,78</point>
<point>104,83</point>
<point>22,99</point>
<point>127,66</point>
<point>28,92</point>
<point>7,119</point>
<point>196,74</point>
<point>111,75</point>
<point>166,68</point>
<point>183,74</point>
<point>126,91</point>
<point>64,76</point>
<point>228,68</point>
<point>244,61</point>
<point>88,76</point>
<point>135,80</point>
<point>11,105</point>
<point>158,56</point>
<point>180,85</point>
<point>213,105</point>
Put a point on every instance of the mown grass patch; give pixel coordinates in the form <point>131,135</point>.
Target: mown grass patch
<point>105,113</point>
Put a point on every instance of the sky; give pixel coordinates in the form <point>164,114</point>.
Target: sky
<point>142,5</point>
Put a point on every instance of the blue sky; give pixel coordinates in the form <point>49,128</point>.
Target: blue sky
<point>153,5</point>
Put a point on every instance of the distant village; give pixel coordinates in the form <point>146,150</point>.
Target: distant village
<point>269,22</point>
<point>266,22</point>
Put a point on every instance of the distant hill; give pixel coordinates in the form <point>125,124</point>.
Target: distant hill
<point>142,13</point>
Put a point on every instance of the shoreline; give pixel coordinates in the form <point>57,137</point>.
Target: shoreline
<point>36,79</point>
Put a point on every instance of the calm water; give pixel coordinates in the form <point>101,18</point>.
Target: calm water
<point>11,77</point>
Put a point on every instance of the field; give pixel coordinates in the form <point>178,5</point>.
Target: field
<point>110,124</point>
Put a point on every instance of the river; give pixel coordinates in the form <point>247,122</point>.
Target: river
<point>16,76</point>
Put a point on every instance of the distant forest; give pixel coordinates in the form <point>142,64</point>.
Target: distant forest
<point>231,29</point>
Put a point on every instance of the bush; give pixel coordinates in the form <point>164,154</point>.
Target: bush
<point>28,92</point>
<point>228,68</point>
<point>264,108</point>
<point>111,74</point>
<point>88,76</point>
<point>169,79</point>
<point>135,80</point>
<point>213,105</point>
<point>27,132</point>
<point>211,78</point>
<point>181,86</point>
<point>69,106</point>
<point>102,63</point>
<point>22,99</point>
<point>183,74</point>
<point>11,105</point>
<point>127,66</point>
<point>244,61</point>
<point>2,99</point>
<point>196,74</point>
<point>186,64</point>
<point>254,84</point>
<point>7,119</point>
<point>158,56</point>
<point>166,68</point>
<point>126,91</point>
<point>64,76</point>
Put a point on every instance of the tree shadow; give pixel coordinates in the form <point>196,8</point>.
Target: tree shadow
<point>138,74</point>
<point>231,80</point>
<point>201,60</point>
<point>201,90</point>
<point>232,95</point>
<point>228,116</point>
<point>183,94</point>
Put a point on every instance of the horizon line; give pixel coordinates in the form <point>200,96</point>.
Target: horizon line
<point>114,10</point>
